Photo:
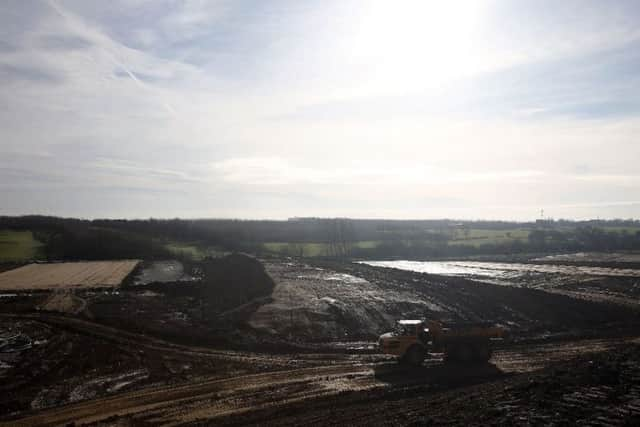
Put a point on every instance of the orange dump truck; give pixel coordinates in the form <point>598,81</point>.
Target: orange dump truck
<point>413,340</point>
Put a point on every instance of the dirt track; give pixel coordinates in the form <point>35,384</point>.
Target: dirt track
<point>165,401</point>
<point>215,398</point>
<point>119,336</point>
<point>596,390</point>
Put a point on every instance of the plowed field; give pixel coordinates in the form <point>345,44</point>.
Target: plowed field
<point>67,275</point>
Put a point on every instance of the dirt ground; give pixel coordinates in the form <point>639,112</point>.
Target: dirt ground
<point>593,389</point>
<point>322,305</point>
<point>332,307</point>
<point>156,354</point>
<point>356,390</point>
<point>329,302</point>
<point>68,359</point>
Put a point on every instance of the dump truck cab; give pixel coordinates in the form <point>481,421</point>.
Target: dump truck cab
<point>413,340</point>
<point>409,341</point>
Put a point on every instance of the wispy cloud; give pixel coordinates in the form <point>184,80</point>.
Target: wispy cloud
<point>320,108</point>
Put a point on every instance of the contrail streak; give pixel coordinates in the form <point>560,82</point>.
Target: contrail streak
<point>65,15</point>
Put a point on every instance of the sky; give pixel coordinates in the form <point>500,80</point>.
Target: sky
<point>332,108</point>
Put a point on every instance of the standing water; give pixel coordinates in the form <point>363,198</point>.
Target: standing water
<point>497,270</point>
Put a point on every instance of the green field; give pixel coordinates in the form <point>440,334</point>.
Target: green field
<point>311,249</point>
<point>297,249</point>
<point>193,250</point>
<point>477,237</point>
<point>630,230</point>
<point>17,246</point>
<point>471,237</point>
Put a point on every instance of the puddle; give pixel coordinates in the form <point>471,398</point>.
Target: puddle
<point>163,271</point>
<point>149,294</point>
<point>333,277</point>
<point>110,384</point>
<point>495,270</point>
<point>329,300</point>
<point>342,277</point>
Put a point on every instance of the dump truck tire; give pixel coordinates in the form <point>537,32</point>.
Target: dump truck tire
<point>465,353</point>
<point>459,352</point>
<point>450,353</point>
<point>414,356</point>
<point>482,353</point>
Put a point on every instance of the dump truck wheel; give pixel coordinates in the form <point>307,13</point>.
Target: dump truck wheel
<point>459,352</point>
<point>482,353</point>
<point>414,356</point>
<point>451,353</point>
<point>464,353</point>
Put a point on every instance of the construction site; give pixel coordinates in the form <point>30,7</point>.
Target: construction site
<point>238,340</point>
<point>347,213</point>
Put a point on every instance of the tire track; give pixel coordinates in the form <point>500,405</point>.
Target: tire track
<point>210,399</point>
<point>169,398</point>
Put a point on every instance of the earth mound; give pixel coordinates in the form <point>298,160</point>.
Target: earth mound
<point>234,280</point>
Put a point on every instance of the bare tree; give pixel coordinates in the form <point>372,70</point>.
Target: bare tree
<point>340,237</point>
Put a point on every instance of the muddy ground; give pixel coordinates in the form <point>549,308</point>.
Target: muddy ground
<point>371,391</point>
<point>601,389</point>
<point>169,353</point>
<point>337,306</point>
<point>351,302</point>
<point>619,284</point>
<point>65,363</point>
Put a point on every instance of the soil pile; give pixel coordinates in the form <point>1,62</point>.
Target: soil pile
<point>234,280</point>
<point>209,311</point>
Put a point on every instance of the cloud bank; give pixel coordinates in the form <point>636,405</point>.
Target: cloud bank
<point>276,109</point>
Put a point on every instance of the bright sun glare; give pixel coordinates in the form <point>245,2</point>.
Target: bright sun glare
<point>417,42</point>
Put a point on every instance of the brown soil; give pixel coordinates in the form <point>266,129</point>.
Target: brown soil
<point>140,355</point>
<point>594,389</point>
<point>69,353</point>
<point>67,275</point>
<point>329,302</point>
<point>63,302</point>
<point>354,391</point>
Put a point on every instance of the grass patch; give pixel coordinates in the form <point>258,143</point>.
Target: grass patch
<point>629,230</point>
<point>17,246</point>
<point>193,250</point>
<point>367,244</point>
<point>297,249</point>
<point>311,249</point>
<point>477,237</point>
<point>470,237</point>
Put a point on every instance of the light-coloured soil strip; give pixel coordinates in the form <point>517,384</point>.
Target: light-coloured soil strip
<point>87,274</point>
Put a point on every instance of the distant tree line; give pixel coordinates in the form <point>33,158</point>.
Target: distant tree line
<point>587,237</point>
<point>69,238</point>
<point>74,239</point>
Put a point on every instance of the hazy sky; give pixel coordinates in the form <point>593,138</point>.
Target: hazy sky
<point>260,109</point>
